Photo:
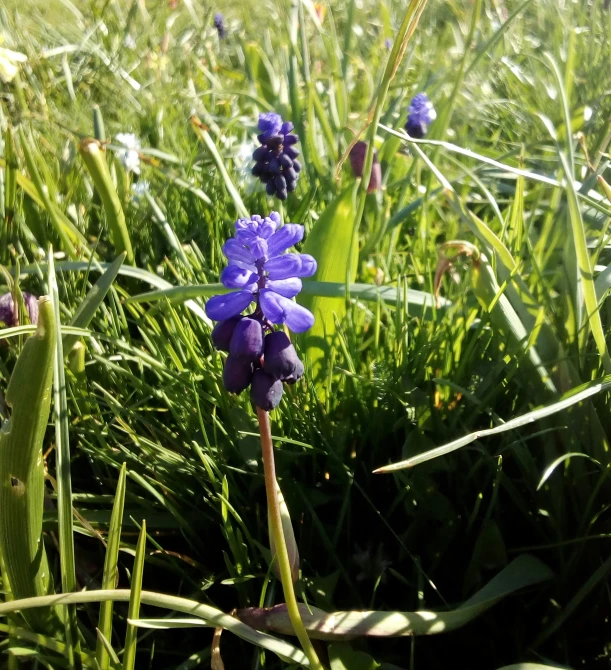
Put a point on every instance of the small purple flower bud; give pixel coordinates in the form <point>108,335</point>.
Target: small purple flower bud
<point>297,374</point>
<point>8,310</point>
<point>223,332</point>
<point>265,391</point>
<point>280,359</point>
<point>247,340</point>
<point>237,374</point>
<point>219,24</point>
<point>357,162</point>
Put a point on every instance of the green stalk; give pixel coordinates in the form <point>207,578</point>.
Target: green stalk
<point>22,471</point>
<point>282,556</point>
<point>93,156</point>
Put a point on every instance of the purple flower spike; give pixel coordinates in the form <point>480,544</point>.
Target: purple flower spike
<point>265,274</point>
<point>276,162</point>
<point>421,114</point>
<point>9,314</point>
<point>219,24</point>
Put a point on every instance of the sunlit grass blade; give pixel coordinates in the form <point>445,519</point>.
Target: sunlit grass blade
<point>111,570</point>
<point>131,634</point>
<point>284,650</point>
<point>572,398</point>
<point>592,316</point>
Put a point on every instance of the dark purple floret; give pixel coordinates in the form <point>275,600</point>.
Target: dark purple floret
<point>9,314</point>
<point>357,162</point>
<point>237,374</point>
<point>297,374</point>
<point>247,340</point>
<point>421,114</point>
<point>219,24</point>
<point>265,391</point>
<point>275,160</point>
<point>223,332</point>
<point>280,359</point>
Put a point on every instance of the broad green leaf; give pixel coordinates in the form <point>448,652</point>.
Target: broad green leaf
<point>22,474</point>
<point>343,657</point>
<point>523,571</point>
<point>332,242</point>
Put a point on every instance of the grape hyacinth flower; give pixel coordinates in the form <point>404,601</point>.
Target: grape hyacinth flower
<point>129,156</point>
<point>421,114</point>
<point>357,162</point>
<point>9,313</point>
<point>264,274</point>
<point>276,162</point>
<point>219,24</point>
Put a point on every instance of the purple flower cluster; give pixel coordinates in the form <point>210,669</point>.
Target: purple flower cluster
<point>420,115</point>
<point>276,162</point>
<point>261,271</point>
<point>9,313</point>
<point>219,24</point>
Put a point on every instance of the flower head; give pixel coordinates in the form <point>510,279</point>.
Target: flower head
<point>219,24</point>
<point>8,64</point>
<point>129,156</point>
<point>276,162</point>
<point>9,314</point>
<point>357,161</point>
<point>264,274</point>
<point>421,114</point>
<point>388,44</point>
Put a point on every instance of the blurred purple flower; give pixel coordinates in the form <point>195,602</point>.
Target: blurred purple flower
<point>420,115</point>
<point>9,314</point>
<point>219,24</point>
<point>357,162</point>
<point>276,163</point>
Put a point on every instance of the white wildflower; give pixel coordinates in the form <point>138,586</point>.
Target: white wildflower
<point>129,156</point>
<point>8,64</point>
<point>139,189</point>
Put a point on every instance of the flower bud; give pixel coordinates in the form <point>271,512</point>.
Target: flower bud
<point>9,313</point>
<point>247,340</point>
<point>223,332</point>
<point>357,162</point>
<point>237,374</point>
<point>280,359</point>
<point>265,391</point>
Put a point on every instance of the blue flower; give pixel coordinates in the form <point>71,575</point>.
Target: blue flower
<point>9,312</point>
<point>276,162</point>
<point>421,114</point>
<point>219,24</point>
<point>263,273</point>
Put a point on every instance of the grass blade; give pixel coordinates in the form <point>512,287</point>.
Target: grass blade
<point>572,398</point>
<point>64,482</point>
<point>111,570</point>
<point>131,634</point>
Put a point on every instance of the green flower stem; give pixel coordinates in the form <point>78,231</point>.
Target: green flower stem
<point>282,557</point>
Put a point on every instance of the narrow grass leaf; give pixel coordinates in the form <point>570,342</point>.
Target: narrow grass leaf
<point>64,481</point>
<point>572,398</point>
<point>111,570</point>
<point>131,634</point>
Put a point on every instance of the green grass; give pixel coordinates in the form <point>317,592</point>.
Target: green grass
<point>509,166</point>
